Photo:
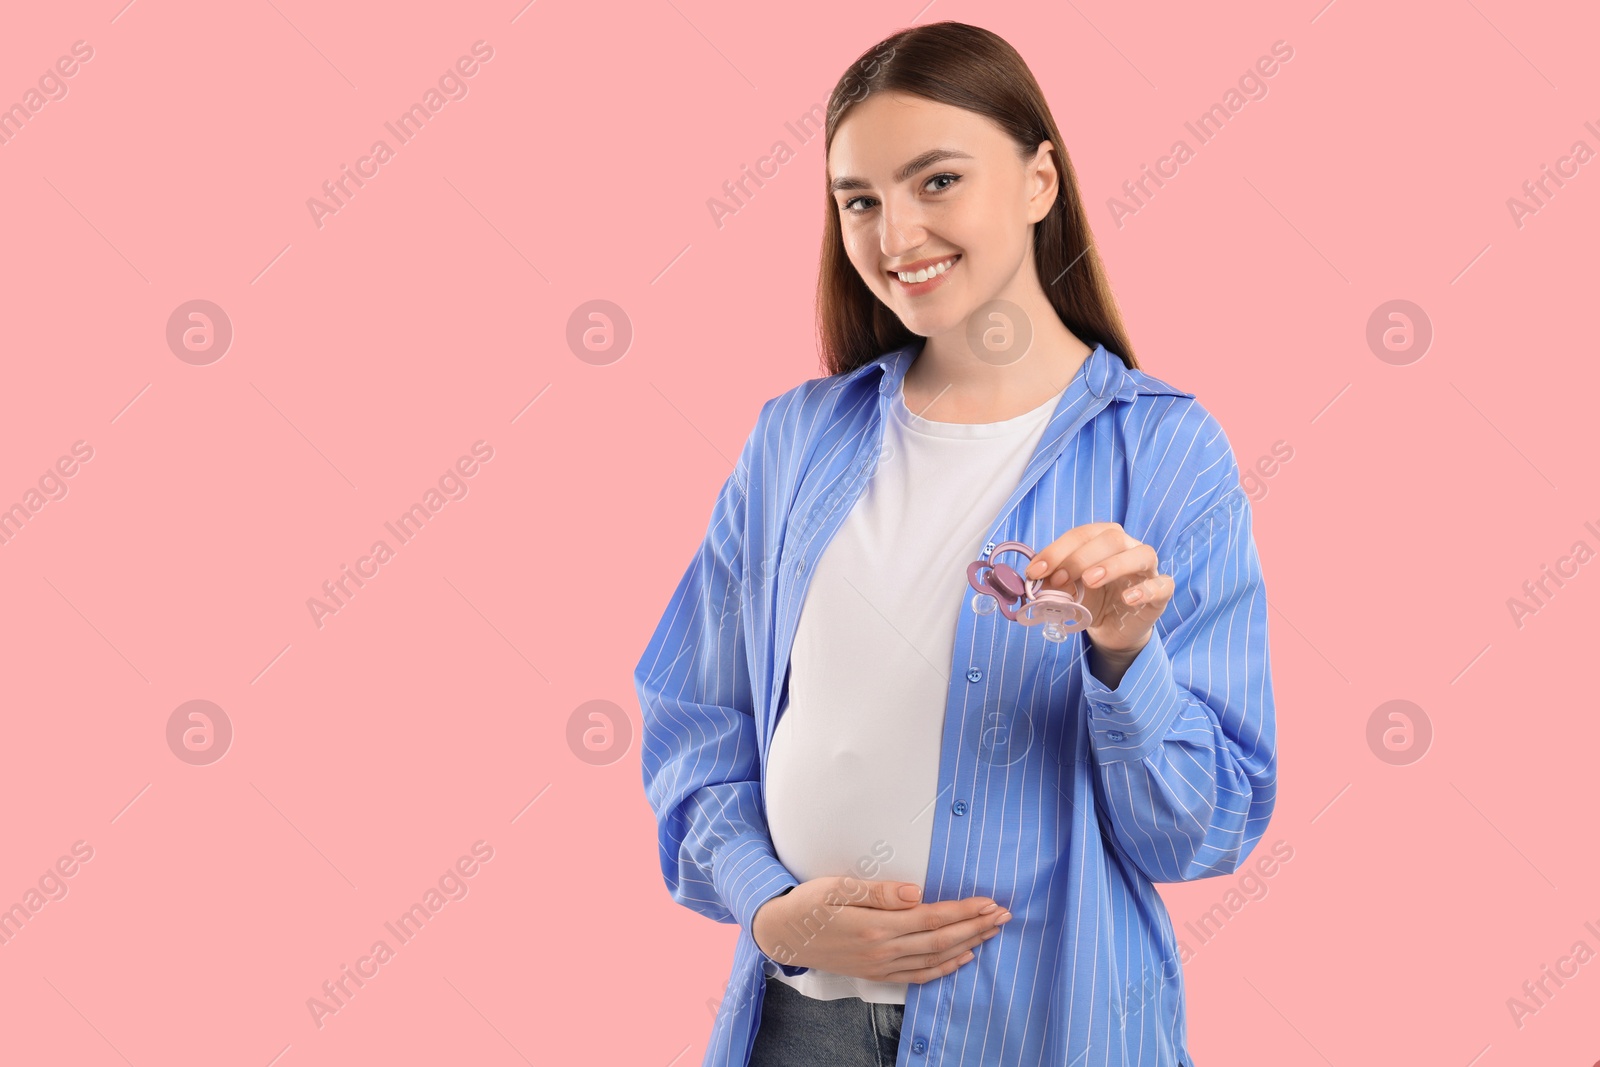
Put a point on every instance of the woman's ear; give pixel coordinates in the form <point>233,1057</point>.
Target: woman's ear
<point>1043,180</point>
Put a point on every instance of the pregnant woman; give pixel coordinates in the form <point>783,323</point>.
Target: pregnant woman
<point>938,828</point>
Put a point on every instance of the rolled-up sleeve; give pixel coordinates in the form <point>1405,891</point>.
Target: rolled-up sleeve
<point>1186,744</point>
<point>700,759</point>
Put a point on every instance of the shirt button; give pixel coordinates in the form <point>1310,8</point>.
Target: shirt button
<point>919,1046</point>
<point>974,674</point>
<point>988,548</point>
<point>959,807</point>
<point>1116,735</point>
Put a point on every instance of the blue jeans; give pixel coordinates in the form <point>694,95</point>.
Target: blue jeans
<point>801,1031</point>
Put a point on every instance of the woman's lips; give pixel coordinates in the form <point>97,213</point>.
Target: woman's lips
<point>919,288</point>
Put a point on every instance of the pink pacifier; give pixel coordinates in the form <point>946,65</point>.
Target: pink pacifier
<point>1025,600</point>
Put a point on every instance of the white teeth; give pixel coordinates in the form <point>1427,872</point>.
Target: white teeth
<point>926,273</point>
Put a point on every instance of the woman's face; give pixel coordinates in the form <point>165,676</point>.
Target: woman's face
<point>918,183</point>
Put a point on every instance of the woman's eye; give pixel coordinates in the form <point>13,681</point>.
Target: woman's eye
<point>848,207</point>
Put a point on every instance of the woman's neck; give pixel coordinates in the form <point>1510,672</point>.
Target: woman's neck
<point>946,383</point>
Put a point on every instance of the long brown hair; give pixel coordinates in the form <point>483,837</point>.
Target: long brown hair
<point>972,68</point>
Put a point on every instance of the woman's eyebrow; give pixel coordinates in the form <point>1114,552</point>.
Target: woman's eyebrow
<point>926,159</point>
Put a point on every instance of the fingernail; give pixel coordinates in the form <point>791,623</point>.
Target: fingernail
<point>1094,574</point>
<point>910,892</point>
<point>988,909</point>
<point>1133,596</point>
<point>1035,568</point>
<point>1003,919</point>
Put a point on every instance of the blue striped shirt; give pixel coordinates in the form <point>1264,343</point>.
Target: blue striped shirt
<point>1060,798</point>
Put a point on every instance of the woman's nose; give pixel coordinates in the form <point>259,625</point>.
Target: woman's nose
<point>902,230</point>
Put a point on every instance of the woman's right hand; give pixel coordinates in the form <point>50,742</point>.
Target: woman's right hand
<point>866,930</point>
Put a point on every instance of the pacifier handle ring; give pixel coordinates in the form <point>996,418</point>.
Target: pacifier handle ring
<point>1012,546</point>
<point>1030,585</point>
<point>1034,596</point>
<point>1035,585</point>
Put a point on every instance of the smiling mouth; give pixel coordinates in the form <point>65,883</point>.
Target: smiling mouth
<point>916,278</point>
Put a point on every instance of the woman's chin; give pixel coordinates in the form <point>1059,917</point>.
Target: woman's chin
<point>930,322</point>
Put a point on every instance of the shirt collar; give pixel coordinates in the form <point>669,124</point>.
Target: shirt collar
<point>1103,373</point>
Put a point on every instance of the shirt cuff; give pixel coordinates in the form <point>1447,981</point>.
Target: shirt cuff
<point>1129,722</point>
<point>747,874</point>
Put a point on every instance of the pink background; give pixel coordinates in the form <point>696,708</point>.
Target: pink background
<point>444,703</point>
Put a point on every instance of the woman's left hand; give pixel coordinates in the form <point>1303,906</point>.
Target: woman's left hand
<point>1121,587</point>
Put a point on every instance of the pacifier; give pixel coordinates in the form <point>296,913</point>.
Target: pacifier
<point>1025,600</point>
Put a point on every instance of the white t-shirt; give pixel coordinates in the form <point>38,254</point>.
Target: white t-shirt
<point>854,765</point>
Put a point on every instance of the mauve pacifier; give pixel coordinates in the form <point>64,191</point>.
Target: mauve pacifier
<point>1025,600</point>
